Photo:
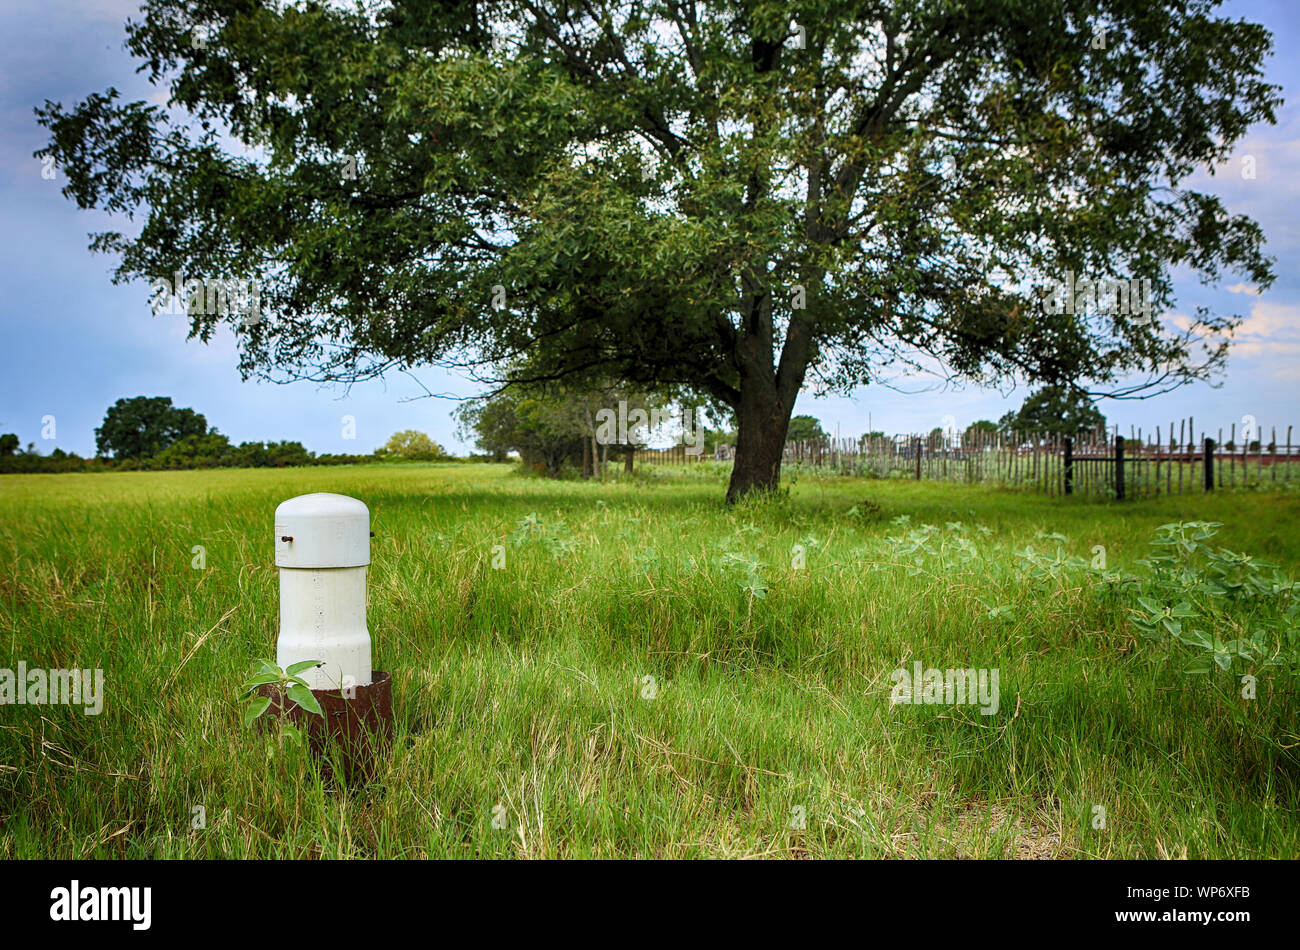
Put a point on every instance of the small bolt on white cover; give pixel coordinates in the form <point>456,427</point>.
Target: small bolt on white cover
<point>322,548</point>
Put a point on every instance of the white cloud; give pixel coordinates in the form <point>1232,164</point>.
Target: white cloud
<point>1270,321</point>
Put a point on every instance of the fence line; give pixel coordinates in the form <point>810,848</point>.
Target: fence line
<point>674,455</point>
<point>1093,463</point>
<point>1096,463</point>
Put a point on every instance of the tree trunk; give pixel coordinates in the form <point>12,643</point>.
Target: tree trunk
<point>765,398</point>
<point>629,458</point>
<point>591,447</point>
<point>762,422</point>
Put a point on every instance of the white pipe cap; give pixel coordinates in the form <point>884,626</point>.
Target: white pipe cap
<point>322,530</point>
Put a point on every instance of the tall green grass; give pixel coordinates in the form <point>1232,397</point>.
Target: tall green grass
<point>767,730</point>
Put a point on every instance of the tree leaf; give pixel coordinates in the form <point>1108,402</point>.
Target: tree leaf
<point>263,680</point>
<point>265,666</point>
<point>255,709</point>
<point>303,697</point>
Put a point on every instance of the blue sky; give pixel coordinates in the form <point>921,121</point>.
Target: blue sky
<point>73,343</point>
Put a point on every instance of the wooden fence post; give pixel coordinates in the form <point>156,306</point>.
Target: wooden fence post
<point>1119,467</point>
<point>1069,465</point>
<point>1209,464</point>
<point>1219,474</point>
<point>918,459</point>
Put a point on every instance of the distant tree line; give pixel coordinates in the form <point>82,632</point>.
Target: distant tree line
<point>560,429</point>
<point>149,433</point>
<point>553,427</point>
<point>1051,410</point>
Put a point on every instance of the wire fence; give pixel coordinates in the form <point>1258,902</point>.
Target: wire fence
<point>1176,459</point>
<point>1092,463</point>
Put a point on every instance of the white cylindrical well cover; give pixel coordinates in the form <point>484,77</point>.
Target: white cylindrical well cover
<point>328,530</point>
<point>323,588</point>
<point>323,617</point>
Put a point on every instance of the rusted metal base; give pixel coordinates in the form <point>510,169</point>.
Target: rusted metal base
<point>355,729</point>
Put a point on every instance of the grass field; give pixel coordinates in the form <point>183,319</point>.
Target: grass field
<point>767,730</point>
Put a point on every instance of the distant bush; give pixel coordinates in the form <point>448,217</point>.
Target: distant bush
<point>56,461</point>
<point>212,450</point>
<point>215,451</point>
<point>148,434</point>
<point>411,445</point>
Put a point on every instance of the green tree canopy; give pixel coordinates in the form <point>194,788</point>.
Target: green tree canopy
<point>1056,410</point>
<point>723,196</point>
<point>542,428</point>
<point>804,428</point>
<point>491,423</point>
<point>411,444</point>
<point>143,426</point>
<point>549,423</point>
<point>977,429</point>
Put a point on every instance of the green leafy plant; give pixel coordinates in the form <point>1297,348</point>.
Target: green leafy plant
<point>998,611</point>
<point>1036,566</point>
<point>647,559</point>
<point>1218,653</point>
<point>864,510</point>
<point>554,536</point>
<point>1223,590</point>
<point>749,569</point>
<point>1153,619</point>
<point>529,526</point>
<point>266,673</point>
